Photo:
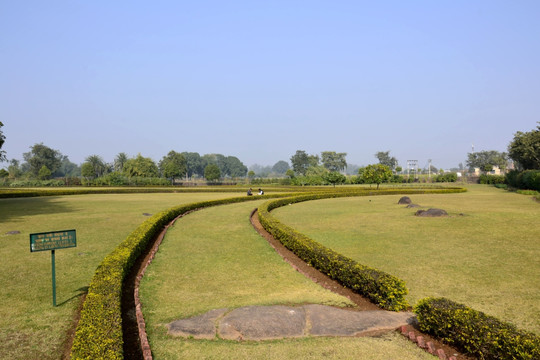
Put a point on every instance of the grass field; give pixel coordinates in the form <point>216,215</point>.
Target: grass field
<point>30,327</point>
<point>214,259</point>
<point>486,254</point>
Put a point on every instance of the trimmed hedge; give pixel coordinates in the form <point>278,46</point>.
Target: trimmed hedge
<point>474,332</point>
<point>99,332</point>
<point>383,289</point>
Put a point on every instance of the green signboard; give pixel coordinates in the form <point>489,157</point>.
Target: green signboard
<point>52,240</point>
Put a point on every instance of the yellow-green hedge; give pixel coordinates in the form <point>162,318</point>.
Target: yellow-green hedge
<point>383,289</point>
<point>99,332</point>
<point>474,332</point>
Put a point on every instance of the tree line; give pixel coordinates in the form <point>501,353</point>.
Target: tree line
<point>43,162</point>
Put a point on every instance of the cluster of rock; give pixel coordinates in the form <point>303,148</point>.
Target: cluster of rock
<point>433,212</point>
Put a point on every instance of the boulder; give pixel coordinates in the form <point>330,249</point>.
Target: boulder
<point>405,200</point>
<point>431,213</point>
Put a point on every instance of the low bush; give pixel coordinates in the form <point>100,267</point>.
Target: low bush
<point>527,180</point>
<point>36,183</point>
<point>491,179</point>
<point>474,332</point>
<point>448,177</point>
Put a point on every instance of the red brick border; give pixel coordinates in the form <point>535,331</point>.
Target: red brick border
<point>429,346</point>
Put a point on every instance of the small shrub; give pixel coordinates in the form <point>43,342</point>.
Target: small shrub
<point>491,179</point>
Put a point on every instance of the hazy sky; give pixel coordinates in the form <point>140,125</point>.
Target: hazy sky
<point>262,79</point>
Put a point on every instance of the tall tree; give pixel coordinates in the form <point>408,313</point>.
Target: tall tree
<point>235,167</point>
<point>376,174</point>
<point>67,168</point>
<point>14,169</point>
<point>280,167</point>
<point>2,139</point>
<point>486,160</point>
<point>40,155</point>
<point>525,149</point>
<point>194,164</point>
<point>119,161</point>
<point>212,172</point>
<point>334,161</point>
<point>385,159</point>
<point>173,165</point>
<point>141,166</point>
<point>300,162</point>
<point>97,167</point>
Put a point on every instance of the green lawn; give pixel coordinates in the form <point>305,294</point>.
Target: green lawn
<point>30,327</point>
<point>213,259</point>
<point>485,254</point>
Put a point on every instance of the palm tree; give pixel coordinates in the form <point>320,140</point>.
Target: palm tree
<point>119,161</point>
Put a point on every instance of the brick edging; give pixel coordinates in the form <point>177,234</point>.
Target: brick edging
<point>427,346</point>
<point>141,324</point>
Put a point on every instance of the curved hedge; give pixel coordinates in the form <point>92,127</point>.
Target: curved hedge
<point>383,289</point>
<point>99,332</point>
<point>474,332</point>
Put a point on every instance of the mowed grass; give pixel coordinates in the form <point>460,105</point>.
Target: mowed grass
<point>214,259</point>
<point>486,254</point>
<point>30,327</point>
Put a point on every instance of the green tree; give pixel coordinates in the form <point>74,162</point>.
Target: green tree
<point>290,173</point>
<point>525,149</point>
<point>14,169</point>
<point>335,177</point>
<point>41,155</point>
<point>141,166</point>
<point>235,168</point>
<point>98,166</point>
<point>87,170</point>
<point>119,161</point>
<point>334,161</point>
<point>44,173</point>
<point>173,166</point>
<point>483,158</point>
<point>67,168</point>
<point>300,162</point>
<point>385,159</point>
<point>376,174</point>
<point>212,172</point>
<point>2,139</point>
<point>194,164</point>
<point>280,167</point>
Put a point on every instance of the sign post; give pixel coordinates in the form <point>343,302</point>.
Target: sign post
<point>52,241</point>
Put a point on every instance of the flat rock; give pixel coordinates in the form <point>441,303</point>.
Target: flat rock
<point>329,321</point>
<point>276,322</point>
<point>412,206</point>
<point>263,323</point>
<point>199,327</point>
<point>431,213</point>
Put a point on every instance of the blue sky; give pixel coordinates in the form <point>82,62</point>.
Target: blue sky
<point>260,80</point>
